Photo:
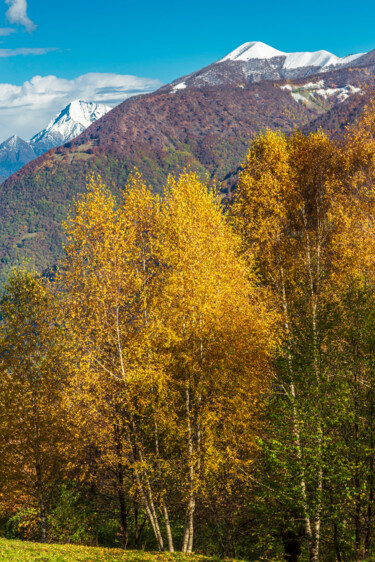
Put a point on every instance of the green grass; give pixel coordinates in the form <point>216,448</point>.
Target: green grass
<point>22,551</point>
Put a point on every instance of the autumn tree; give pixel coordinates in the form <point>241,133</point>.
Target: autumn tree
<point>220,335</point>
<point>107,295</point>
<point>307,225</point>
<point>164,309</point>
<point>34,376</point>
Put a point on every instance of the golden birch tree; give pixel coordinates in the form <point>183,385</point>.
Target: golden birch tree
<point>219,333</point>
<point>304,207</point>
<point>107,287</point>
<point>164,309</point>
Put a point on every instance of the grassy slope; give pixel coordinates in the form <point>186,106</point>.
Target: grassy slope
<point>18,551</point>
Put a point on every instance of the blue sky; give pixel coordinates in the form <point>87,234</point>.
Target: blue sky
<point>155,40</point>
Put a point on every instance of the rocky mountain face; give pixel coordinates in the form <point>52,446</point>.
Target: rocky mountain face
<point>68,124</point>
<point>201,123</point>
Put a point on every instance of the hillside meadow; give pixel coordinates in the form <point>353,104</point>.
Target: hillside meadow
<point>15,551</point>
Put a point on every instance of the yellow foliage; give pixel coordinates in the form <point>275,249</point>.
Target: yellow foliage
<point>175,334</point>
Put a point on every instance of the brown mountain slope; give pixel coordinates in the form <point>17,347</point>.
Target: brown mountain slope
<point>193,122</point>
<point>205,129</point>
<point>336,120</point>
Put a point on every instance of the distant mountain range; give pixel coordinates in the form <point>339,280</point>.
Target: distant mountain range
<point>68,124</point>
<point>203,122</point>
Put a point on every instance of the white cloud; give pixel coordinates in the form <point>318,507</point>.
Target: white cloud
<point>5,53</point>
<point>5,31</point>
<point>17,13</point>
<point>27,109</point>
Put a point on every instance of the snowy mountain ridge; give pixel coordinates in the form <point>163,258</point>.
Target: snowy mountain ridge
<point>256,61</point>
<point>259,50</point>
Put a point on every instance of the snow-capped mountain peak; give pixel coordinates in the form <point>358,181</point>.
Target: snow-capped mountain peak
<point>15,145</point>
<point>259,50</point>
<point>68,124</point>
<point>14,153</point>
<point>253,50</point>
<point>12,142</point>
<point>71,122</point>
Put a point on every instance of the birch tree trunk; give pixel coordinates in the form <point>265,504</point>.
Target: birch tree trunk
<point>144,486</point>
<point>40,490</point>
<point>120,488</point>
<point>141,477</point>
<point>187,543</point>
<point>314,287</point>
<point>163,502</point>
<point>309,529</point>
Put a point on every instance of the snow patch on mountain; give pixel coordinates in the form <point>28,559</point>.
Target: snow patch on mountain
<point>320,59</point>
<point>15,144</point>
<point>11,143</point>
<point>179,86</point>
<point>308,92</point>
<point>259,50</point>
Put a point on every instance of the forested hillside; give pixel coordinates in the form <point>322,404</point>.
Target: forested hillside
<point>208,132</point>
<point>201,378</point>
<point>206,129</point>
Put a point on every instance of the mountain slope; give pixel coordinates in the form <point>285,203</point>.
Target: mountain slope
<point>206,128</point>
